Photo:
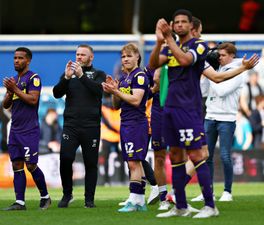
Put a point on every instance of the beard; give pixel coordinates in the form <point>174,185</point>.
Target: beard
<point>84,64</point>
<point>182,33</point>
<point>19,69</point>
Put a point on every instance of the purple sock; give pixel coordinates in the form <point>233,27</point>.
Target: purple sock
<point>39,179</point>
<point>178,179</point>
<point>205,182</point>
<point>163,195</point>
<point>20,184</point>
<point>135,187</point>
<point>187,179</point>
<point>143,183</point>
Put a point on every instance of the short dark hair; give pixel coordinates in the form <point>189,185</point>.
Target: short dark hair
<point>26,50</point>
<point>86,46</point>
<point>196,23</point>
<point>183,12</point>
<point>229,47</point>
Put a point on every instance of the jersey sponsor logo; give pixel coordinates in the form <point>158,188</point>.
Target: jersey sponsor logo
<point>173,62</point>
<point>36,81</point>
<point>125,90</point>
<point>141,80</point>
<point>200,49</point>
<point>15,97</point>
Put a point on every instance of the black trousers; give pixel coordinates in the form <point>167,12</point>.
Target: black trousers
<point>88,139</point>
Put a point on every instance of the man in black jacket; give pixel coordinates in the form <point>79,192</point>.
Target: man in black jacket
<point>81,83</point>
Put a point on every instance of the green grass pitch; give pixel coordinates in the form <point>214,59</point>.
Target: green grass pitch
<point>246,209</point>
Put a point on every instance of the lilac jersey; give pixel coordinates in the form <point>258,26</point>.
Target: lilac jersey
<point>25,116</point>
<point>184,82</point>
<point>137,79</point>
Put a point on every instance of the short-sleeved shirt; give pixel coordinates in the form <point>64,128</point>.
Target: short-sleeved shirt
<point>184,82</point>
<point>25,116</point>
<point>137,79</point>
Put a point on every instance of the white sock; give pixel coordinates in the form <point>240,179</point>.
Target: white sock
<point>162,188</point>
<point>45,197</point>
<point>142,200</point>
<point>133,198</point>
<point>20,202</point>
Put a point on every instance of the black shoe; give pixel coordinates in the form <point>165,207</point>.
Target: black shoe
<point>65,201</point>
<point>15,206</point>
<point>89,204</point>
<point>44,203</point>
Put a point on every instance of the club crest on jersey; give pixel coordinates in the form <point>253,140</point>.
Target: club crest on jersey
<point>141,80</point>
<point>23,84</point>
<point>36,81</point>
<point>200,49</point>
<point>90,74</point>
<point>185,48</point>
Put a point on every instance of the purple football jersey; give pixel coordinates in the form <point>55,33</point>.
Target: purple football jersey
<point>137,79</point>
<point>25,116</point>
<point>184,82</point>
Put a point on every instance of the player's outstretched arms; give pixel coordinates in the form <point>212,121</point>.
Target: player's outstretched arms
<point>218,77</point>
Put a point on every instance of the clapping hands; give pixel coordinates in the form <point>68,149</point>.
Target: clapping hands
<point>73,68</point>
<point>10,84</point>
<point>110,85</point>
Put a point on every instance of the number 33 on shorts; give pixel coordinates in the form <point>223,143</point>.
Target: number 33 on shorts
<point>186,135</point>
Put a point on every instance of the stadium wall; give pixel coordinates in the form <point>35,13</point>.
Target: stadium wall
<point>51,52</point>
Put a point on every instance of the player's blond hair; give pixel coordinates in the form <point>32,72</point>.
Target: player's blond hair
<point>131,47</point>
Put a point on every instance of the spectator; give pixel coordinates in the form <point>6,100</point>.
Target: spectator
<point>257,122</point>
<point>50,132</point>
<point>250,90</point>
<point>243,137</point>
<point>220,121</point>
<point>5,116</point>
<point>110,134</point>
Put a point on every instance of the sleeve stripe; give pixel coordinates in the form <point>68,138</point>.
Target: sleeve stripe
<point>206,65</point>
<point>194,55</point>
<point>33,76</point>
<point>138,73</point>
<point>199,41</point>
